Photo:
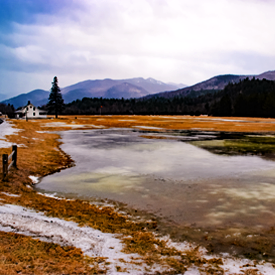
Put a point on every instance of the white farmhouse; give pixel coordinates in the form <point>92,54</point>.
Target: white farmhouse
<point>31,112</point>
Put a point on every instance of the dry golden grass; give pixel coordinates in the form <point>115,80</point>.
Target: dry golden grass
<point>231,124</point>
<point>23,255</point>
<point>41,155</point>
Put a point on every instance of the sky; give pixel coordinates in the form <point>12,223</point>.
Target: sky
<point>179,41</point>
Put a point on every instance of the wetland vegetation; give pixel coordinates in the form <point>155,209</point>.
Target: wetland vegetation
<point>42,155</point>
<point>247,98</point>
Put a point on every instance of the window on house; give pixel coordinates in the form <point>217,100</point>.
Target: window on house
<point>34,108</point>
<point>33,114</point>
<point>30,106</point>
<point>27,108</point>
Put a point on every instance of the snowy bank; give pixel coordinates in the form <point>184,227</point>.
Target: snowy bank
<point>6,129</point>
<point>92,242</point>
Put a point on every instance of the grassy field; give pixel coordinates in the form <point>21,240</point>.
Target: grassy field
<point>39,154</point>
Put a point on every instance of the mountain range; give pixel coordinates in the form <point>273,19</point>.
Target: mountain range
<point>106,88</point>
<point>213,84</point>
<point>133,88</point>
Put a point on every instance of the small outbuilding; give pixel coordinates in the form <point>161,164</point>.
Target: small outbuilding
<point>30,111</point>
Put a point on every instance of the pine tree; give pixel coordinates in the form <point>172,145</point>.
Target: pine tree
<point>56,102</point>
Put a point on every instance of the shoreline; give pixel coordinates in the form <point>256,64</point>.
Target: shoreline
<point>53,169</point>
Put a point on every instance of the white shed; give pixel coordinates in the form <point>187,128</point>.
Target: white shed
<point>31,112</point>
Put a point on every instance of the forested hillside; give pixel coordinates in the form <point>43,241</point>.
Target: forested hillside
<point>253,98</point>
<point>246,98</point>
<point>153,106</point>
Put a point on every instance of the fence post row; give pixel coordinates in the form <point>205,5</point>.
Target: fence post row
<point>6,158</point>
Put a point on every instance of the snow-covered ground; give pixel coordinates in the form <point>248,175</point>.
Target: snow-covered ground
<point>94,243</point>
<point>6,129</point>
<point>34,179</point>
<point>148,127</point>
<point>72,125</point>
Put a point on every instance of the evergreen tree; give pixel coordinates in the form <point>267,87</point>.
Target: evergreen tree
<point>56,102</point>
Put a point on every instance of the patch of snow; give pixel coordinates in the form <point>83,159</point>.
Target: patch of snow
<point>5,144</point>
<point>6,129</point>
<point>192,271</point>
<point>10,195</point>
<point>147,127</point>
<point>21,145</point>
<point>231,265</point>
<point>237,266</point>
<point>96,126</point>
<point>34,179</point>
<point>73,125</point>
<point>93,243</point>
<point>224,119</point>
<point>62,124</point>
<point>54,196</point>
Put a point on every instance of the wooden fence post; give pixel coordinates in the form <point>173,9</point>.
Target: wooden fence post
<point>5,165</point>
<point>14,156</point>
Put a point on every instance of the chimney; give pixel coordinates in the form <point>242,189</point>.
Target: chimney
<point>29,102</point>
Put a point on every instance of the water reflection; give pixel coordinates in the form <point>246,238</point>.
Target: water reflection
<point>178,180</point>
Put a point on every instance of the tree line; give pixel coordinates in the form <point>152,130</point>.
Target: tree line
<point>247,98</point>
<point>7,109</point>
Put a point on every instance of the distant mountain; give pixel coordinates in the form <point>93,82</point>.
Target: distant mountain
<point>133,88</point>
<point>87,88</point>
<point>125,90</point>
<point>215,83</point>
<point>153,86</point>
<point>270,75</point>
<point>247,98</point>
<point>36,97</point>
<point>106,88</point>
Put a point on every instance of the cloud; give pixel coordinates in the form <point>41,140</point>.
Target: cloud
<point>176,40</point>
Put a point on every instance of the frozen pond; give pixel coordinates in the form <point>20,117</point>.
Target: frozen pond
<point>181,179</point>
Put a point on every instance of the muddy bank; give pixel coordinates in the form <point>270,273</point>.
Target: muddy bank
<point>223,201</point>
<point>41,155</point>
<point>171,178</point>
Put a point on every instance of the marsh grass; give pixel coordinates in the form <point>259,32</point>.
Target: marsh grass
<point>41,155</point>
<point>25,255</point>
<point>263,146</point>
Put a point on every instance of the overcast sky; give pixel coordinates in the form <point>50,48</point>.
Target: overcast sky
<point>179,41</point>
